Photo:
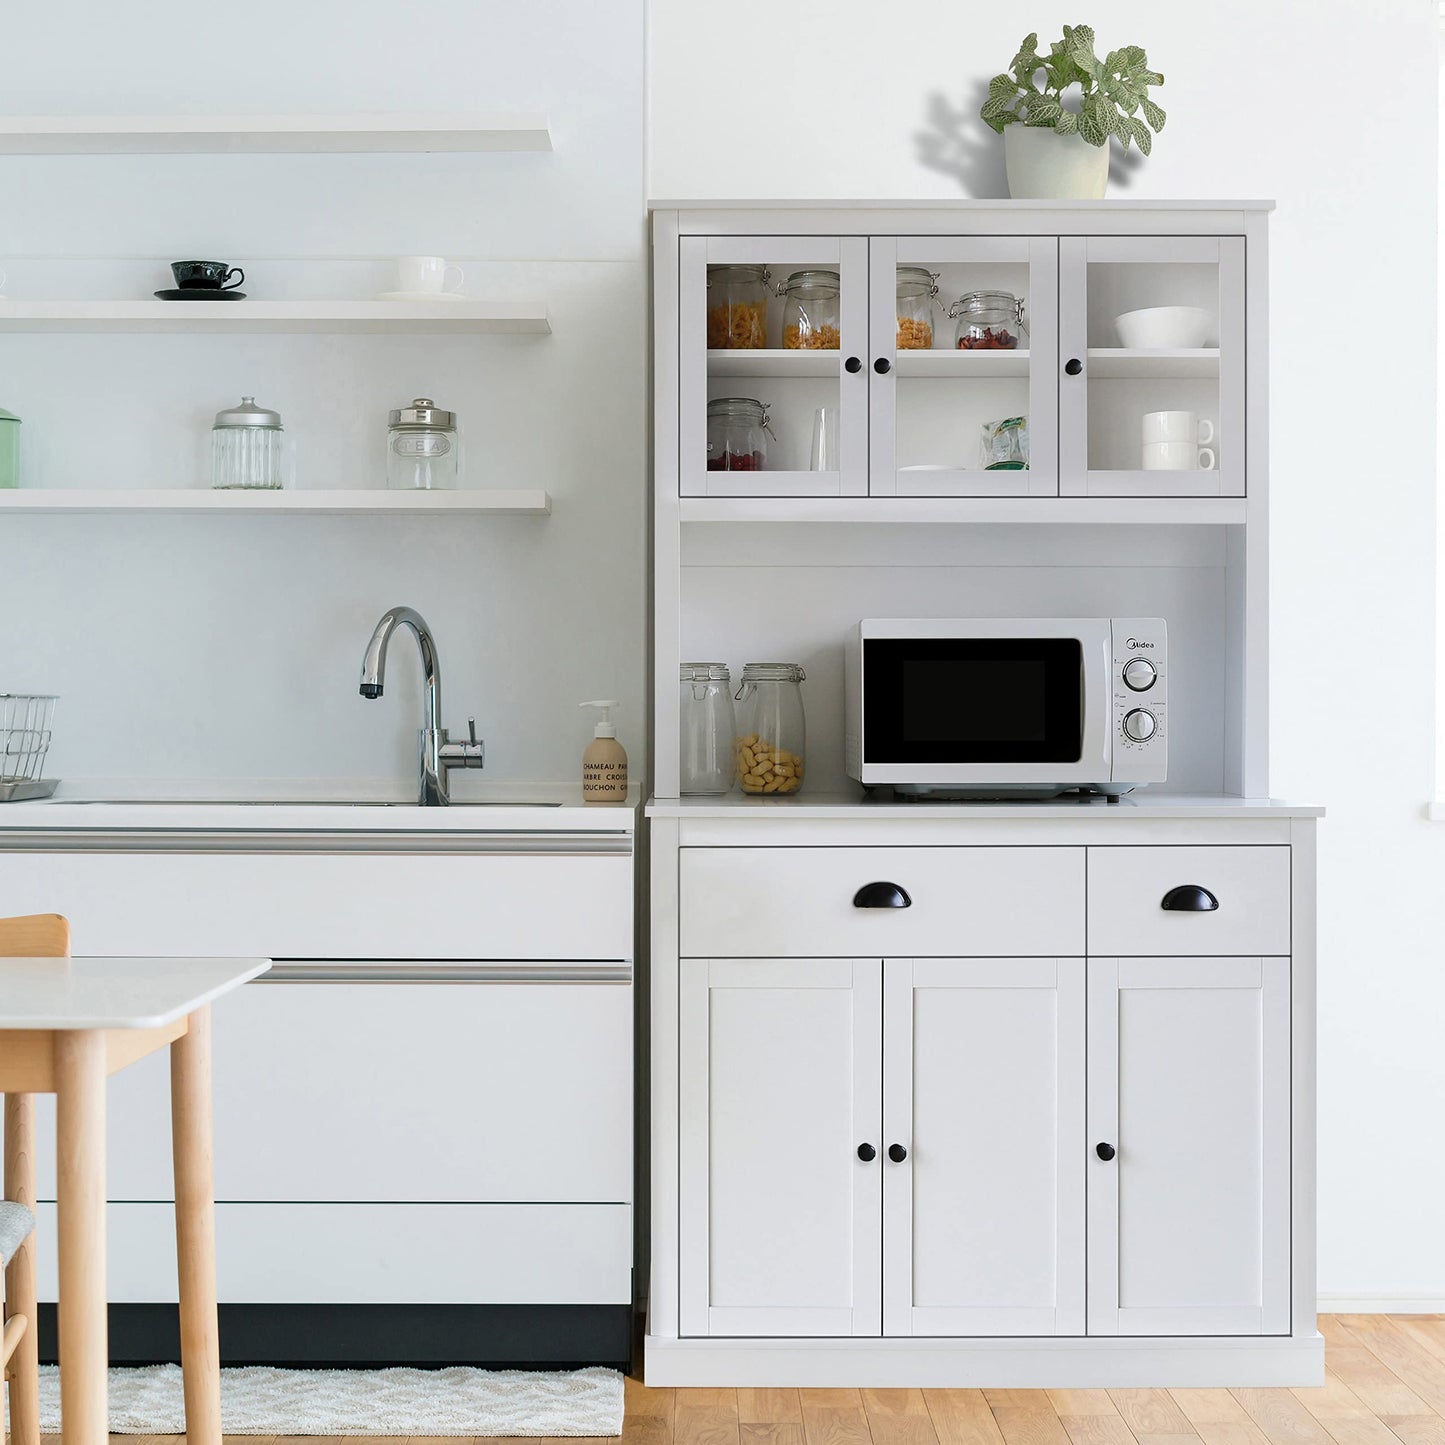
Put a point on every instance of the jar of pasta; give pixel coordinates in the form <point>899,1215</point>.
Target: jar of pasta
<point>772,734</point>
<point>917,286</point>
<point>811,312</point>
<point>737,308</point>
<point>737,434</point>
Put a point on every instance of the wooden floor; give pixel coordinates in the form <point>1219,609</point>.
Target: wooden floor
<point>1385,1386</point>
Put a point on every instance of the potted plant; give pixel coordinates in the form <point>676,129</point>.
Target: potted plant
<point>1053,150</point>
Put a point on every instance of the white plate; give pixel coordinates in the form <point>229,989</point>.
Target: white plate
<point>420,296</point>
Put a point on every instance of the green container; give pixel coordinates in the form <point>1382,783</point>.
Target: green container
<point>9,449</point>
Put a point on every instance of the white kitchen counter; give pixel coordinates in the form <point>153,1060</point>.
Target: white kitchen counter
<point>299,807</point>
<point>836,806</point>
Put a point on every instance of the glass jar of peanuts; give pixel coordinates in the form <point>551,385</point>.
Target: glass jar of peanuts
<point>811,311</point>
<point>737,308</point>
<point>917,286</point>
<point>772,735</point>
<point>988,321</point>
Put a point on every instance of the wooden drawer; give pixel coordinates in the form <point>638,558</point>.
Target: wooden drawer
<point>565,1254</point>
<point>395,1092</point>
<point>500,904</point>
<point>799,902</point>
<point>1127,888</point>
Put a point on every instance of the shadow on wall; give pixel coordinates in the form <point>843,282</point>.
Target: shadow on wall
<point>955,142</point>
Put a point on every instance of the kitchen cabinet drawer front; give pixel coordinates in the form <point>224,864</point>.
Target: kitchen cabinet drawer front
<point>764,902</point>
<point>395,1092</point>
<point>309,905</point>
<point>374,1253</point>
<point>1128,888</point>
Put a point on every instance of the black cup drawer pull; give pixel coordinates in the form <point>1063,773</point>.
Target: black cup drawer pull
<point>1189,898</point>
<point>881,895</point>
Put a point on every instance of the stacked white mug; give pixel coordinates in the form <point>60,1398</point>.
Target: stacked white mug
<point>1173,442</point>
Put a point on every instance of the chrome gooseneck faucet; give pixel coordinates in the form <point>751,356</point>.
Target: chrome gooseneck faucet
<point>437,755</point>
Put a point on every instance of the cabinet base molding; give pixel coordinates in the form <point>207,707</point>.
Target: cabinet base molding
<point>551,1337</point>
<point>1026,1364</point>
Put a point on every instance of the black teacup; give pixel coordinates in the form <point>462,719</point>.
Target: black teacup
<point>206,275</point>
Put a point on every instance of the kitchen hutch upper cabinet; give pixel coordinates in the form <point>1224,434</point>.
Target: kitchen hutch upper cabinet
<point>867,405</point>
<point>1189,1097</point>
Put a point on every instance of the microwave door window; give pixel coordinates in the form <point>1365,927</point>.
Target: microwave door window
<point>975,700</point>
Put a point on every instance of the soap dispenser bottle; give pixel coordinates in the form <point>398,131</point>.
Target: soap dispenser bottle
<point>604,763</point>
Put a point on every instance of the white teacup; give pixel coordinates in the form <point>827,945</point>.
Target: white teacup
<point>1177,457</point>
<point>427,274</point>
<point>1176,426</point>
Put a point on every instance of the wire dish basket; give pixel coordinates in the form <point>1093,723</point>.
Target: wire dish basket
<point>24,742</point>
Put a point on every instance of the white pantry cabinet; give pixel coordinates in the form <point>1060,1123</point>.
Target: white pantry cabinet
<point>918,1163</point>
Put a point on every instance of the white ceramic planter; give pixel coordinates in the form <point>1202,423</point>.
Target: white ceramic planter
<point>1044,165</point>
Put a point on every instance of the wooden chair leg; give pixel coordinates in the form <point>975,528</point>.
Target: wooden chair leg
<point>23,1370</point>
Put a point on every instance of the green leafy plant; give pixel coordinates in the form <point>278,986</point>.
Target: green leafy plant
<point>1113,92</point>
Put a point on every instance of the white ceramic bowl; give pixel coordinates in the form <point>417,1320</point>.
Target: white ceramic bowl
<point>1164,326</point>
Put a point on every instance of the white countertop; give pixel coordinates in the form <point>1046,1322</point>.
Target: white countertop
<point>114,993</point>
<point>290,805</point>
<point>851,805</point>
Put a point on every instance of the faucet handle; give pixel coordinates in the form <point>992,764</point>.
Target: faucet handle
<point>470,754</point>
<point>472,730</point>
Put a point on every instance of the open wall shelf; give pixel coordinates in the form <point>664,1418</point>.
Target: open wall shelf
<point>182,500</point>
<point>52,135</point>
<point>508,318</point>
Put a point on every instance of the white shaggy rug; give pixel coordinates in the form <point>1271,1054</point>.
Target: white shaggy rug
<point>259,1400</point>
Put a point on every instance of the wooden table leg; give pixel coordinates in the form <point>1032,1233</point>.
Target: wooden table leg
<point>20,1274</point>
<point>80,1199</point>
<point>196,1228</point>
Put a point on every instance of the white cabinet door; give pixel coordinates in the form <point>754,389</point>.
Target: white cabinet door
<point>780,1226</point>
<point>930,400</point>
<point>1189,1146</point>
<point>794,383</point>
<point>1107,387</point>
<point>984,1088</point>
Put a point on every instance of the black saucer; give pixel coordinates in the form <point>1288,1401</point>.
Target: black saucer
<point>200,293</point>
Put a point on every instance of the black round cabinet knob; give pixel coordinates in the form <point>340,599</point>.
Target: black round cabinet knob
<point>853,364</point>
<point>897,1153</point>
<point>867,1153</point>
<point>883,366</point>
<point>1104,1151</point>
<point>1073,366</point>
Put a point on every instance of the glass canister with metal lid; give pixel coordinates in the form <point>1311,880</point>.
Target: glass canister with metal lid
<point>917,287</point>
<point>737,308</point>
<point>988,321</point>
<point>772,732</point>
<point>421,447</point>
<point>706,716</point>
<point>737,434</point>
<point>812,313</point>
<point>248,448</point>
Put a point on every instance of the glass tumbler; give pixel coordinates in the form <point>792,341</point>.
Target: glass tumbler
<point>707,729</point>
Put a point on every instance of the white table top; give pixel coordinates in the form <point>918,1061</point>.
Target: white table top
<point>114,993</point>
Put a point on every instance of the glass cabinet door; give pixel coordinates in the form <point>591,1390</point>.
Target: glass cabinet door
<point>964,395</point>
<point>1151,366</point>
<point>773,389</point>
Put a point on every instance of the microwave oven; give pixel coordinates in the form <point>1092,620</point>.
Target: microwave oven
<point>1007,707</point>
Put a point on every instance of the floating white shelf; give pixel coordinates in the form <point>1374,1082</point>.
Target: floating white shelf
<point>1113,362</point>
<point>520,502</point>
<point>268,134</point>
<point>776,364</point>
<point>509,318</point>
<point>931,510</point>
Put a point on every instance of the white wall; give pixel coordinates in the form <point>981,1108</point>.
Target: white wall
<point>226,647</point>
<point>806,99</point>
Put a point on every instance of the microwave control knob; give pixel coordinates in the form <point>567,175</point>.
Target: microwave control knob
<point>1139,674</point>
<point>1140,725</point>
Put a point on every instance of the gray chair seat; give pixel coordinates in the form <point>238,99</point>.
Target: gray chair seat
<point>16,1223</point>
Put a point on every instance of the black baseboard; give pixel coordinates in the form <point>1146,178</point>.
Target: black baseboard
<point>552,1337</point>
